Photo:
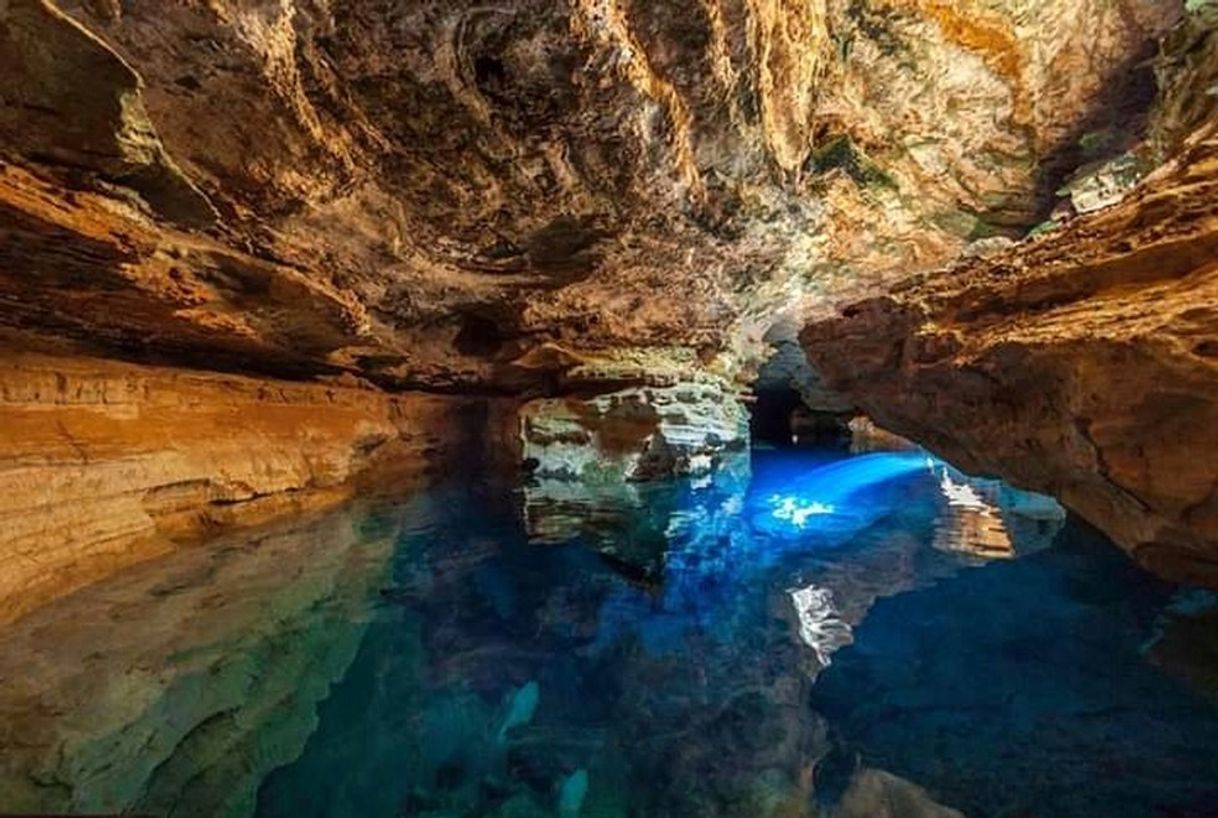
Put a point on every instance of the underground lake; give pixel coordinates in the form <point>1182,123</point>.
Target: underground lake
<point>805,632</point>
<point>609,408</point>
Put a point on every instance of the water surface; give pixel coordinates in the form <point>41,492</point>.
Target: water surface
<point>808,635</point>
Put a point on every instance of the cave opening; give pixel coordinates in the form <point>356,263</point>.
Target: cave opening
<point>789,405</point>
<point>780,418</point>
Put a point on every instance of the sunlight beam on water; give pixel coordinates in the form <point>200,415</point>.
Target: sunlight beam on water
<point>843,495</point>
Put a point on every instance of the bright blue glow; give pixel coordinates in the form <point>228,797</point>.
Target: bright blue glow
<point>797,512</point>
<point>837,498</point>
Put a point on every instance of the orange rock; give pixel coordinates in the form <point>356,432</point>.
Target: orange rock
<point>1083,364</point>
<point>104,464</point>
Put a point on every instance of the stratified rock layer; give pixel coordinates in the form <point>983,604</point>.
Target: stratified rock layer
<point>528,197</point>
<point>634,434</point>
<point>103,464</point>
<point>1083,364</point>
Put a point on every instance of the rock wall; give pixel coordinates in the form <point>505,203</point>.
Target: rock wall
<point>461,198</point>
<point>104,464</point>
<point>422,192</point>
<point>1083,364</point>
<point>634,434</point>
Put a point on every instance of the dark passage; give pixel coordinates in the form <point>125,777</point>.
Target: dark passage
<point>779,418</point>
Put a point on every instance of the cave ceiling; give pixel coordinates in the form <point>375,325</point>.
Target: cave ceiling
<point>483,196</point>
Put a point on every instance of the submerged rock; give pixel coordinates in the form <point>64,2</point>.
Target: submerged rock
<point>878,794</point>
<point>521,707</point>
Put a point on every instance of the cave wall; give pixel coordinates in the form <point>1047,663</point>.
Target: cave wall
<point>1082,364</point>
<point>634,434</point>
<point>255,233</point>
<point>421,192</point>
<point>104,464</point>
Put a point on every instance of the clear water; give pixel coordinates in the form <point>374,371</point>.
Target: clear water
<point>813,635</point>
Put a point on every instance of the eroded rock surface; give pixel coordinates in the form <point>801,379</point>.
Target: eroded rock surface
<point>175,687</point>
<point>103,464</point>
<point>422,191</point>
<point>552,200</point>
<point>635,434</point>
<point>1083,364</point>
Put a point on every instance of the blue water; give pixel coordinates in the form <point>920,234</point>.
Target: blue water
<point>506,679</point>
<point>807,635</point>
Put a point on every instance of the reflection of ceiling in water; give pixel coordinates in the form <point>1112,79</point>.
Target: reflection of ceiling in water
<point>820,626</point>
<point>974,520</point>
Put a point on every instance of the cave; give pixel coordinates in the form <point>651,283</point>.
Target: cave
<point>607,408</point>
<point>771,417</point>
<point>791,406</point>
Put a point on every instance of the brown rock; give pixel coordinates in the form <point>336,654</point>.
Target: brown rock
<point>1083,364</point>
<point>105,464</point>
<point>564,200</point>
<point>419,192</point>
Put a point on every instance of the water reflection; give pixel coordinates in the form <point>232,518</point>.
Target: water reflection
<point>175,687</point>
<point>820,625</point>
<point>645,650</point>
<point>1026,689</point>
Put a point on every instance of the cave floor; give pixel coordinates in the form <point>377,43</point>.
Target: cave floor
<point>801,633</point>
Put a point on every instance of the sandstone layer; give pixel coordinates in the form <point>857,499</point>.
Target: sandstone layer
<point>1083,364</point>
<point>103,464</point>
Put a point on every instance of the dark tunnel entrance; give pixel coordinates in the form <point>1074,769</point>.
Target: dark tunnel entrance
<point>780,418</point>
<point>791,406</point>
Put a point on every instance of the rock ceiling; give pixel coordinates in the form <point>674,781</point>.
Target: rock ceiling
<point>476,196</point>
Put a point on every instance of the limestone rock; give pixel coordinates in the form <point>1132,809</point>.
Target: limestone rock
<point>105,464</point>
<point>421,192</point>
<point>633,434</point>
<point>878,794</point>
<point>1081,364</point>
<point>601,206</point>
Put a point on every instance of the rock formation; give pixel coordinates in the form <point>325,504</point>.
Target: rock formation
<point>1083,364</point>
<point>600,209</point>
<point>423,191</point>
<point>103,464</point>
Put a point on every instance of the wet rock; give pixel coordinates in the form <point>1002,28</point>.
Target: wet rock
<point>866,436</point>
<point>877,794</point>
<point>104,464</point>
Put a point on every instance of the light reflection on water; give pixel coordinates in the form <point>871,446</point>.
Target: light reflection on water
<point>681,649</point>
